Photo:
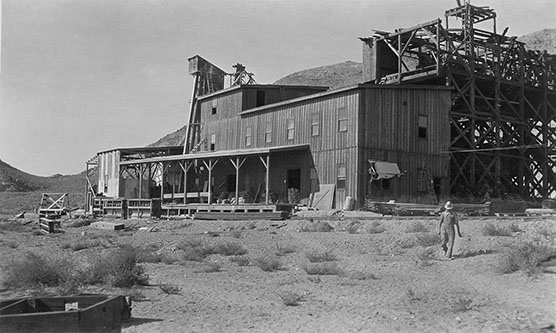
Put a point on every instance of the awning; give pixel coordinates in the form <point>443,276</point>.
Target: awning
<point>218,154</point>
<point>384,170</point>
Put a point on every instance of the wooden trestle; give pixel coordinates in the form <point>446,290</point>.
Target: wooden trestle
<point>503,116</point>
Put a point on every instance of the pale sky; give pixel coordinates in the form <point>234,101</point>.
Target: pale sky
<point>82,76</point>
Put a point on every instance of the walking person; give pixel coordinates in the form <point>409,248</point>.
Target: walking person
<point>447,229</point>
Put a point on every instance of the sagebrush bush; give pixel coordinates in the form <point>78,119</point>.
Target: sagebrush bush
<point>375,228</point>
<point>353,227</point>
<point>417,227</point>
<point>525,257</point>
<point>229,249</point>
<point>13,226</point>
<point>462,304</point>
<point>323,268</point>
<point>358,275</point>
<point>428,239</point>
<point>320,256</point>
<point>291,298</point>
<point>492,230</point>
<point>212,267</point>
<point>33,270</point>
<point>283,249</point>
<point>170,289</point>
<point>319,226</point>
<point>240,260</point>
<point>425,254</point>
<point>119,268</point>
<point>268,264</point>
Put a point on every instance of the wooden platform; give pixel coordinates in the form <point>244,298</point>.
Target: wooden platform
<point>190,209</point>
<point>228,216</point>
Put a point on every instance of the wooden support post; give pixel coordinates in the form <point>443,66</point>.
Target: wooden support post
<point>237,164</point>
<point>267,166</point>
<point>140,181</point>
<point>210,166</point>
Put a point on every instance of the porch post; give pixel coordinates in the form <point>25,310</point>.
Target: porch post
<point>140,181</point>
<point>162,183</point>
<point>267,178</point>
<point>209,167</point>
<point>237,165</point>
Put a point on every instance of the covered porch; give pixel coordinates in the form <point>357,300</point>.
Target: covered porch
<point>238,181</point>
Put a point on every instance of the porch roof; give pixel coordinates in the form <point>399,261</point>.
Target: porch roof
<point>217,154</point>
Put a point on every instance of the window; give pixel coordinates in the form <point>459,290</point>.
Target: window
<point>260,98</point>
<point>315,127</point>
<point>214,105</point>
<point>341,176</point>
<point>248,134</point>
<point>268,133</point>
<point>423,120</point>
<point>342,119</point>
<point>291,128</point>
<point>213,142</point>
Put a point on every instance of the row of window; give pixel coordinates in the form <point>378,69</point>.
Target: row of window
<point>315,128</point>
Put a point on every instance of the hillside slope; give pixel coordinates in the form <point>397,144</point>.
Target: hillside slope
<point>334,76</point>
<point>14,180</point>
<point>541,40</point>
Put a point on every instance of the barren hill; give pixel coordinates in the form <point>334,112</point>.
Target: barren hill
<point>334,76</point>
<point>14,180</point>
<point>541,40</point>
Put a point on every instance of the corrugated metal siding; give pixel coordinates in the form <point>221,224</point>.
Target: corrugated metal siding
<point>109,173</point>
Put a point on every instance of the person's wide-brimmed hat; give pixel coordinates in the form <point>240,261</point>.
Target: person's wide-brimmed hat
<point>448,205</point>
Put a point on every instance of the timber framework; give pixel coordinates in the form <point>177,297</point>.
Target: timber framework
<point>503,114</point>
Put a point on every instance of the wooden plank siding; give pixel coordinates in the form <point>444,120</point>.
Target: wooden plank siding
<point>382,123</point>
<point>389,132</point>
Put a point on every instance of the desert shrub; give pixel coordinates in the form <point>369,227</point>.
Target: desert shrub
<point>375,228</point>
<point>353,227</point>
<point>119,268</point>
<point>462,304</point>
<point>190,243</point>
<point>229,249</point>
<point>240,260</point>
<point>212,267</point>
<point>236,234</point>
<point>320,256</point>
<point>170,289</point>
<point>193,254</point>
<point>492,230</point>
<point>428,239</point>
<point>358,275</point>
<point>323,268</point>
<point>13,226</point>
<point>514,228</point>
<point>319,226</point>
<point>11,244</point>
<point>268,264</point>
<point>291,298</point>
<point>407,243</point>
<point>81,244</point>
<point>417,227</point>
<point>283,249</point>
<point>136,294</point>
<point>33,270</point>
<point>78,222</point>
<point>525,257</point>
<point>425,254</point>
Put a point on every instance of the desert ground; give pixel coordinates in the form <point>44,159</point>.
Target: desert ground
<point>314,272</point>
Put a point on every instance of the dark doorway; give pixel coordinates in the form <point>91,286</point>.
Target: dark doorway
<point>230,183</point>
<point>260,98</point>
<point>294,178</point>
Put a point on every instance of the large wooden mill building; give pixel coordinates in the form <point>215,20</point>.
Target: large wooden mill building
<point>436,114</point>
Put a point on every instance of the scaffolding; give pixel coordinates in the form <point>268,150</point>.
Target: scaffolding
<point>503,115</point>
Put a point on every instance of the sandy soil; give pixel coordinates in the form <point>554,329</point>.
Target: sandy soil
<point>386,285</point>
